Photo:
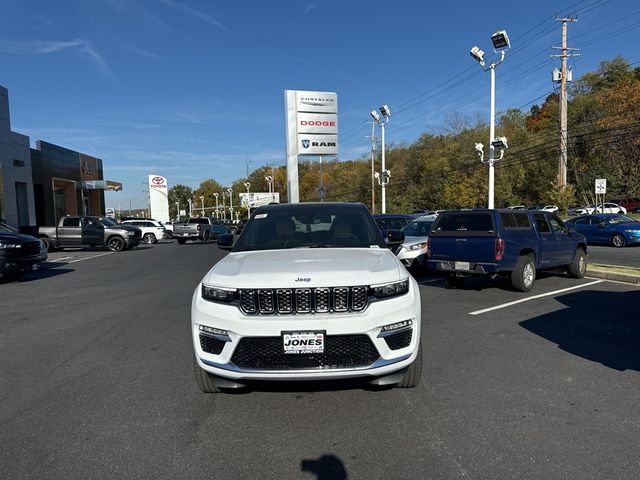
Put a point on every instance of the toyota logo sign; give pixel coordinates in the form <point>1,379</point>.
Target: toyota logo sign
<point>157,180</point>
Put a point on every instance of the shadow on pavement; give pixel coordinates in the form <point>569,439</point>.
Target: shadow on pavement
<point>603,327</point>
<point>327,467</point>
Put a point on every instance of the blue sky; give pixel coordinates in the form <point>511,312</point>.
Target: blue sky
<point>193,89</point>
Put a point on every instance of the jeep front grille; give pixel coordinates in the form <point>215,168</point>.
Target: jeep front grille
<point>303,300</point>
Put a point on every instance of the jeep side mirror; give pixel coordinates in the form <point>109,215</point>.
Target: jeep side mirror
<point>225,241</point>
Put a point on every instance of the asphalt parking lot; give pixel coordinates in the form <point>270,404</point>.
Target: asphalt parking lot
<point>97,383</point>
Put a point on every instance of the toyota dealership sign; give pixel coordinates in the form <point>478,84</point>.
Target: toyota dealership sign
<point>158,198</point>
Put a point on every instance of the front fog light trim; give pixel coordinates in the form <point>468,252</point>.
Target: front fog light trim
<point>396,327</point>
<point>214,332</point>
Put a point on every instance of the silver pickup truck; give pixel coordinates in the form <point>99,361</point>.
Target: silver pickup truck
<point>80,231</point>
<point>205,229</point>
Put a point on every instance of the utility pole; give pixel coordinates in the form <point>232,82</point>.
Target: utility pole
<point>247,162</point>
<point>564,77</point>
<point>321,189</point>
<point>373,151</point>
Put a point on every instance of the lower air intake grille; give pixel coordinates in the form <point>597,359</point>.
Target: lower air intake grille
<point>399,340</point>
<point>341,351</point>
<point>211,345</point>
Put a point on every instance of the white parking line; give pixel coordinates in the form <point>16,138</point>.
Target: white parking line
<point>60,259</point>
<point>508,304</point>
<point>89,258</point>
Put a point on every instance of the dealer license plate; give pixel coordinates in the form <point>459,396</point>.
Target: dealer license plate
<point>303,342</point>
<point>462,266</point>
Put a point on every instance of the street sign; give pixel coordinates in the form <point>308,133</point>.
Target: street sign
<point>601,186</point>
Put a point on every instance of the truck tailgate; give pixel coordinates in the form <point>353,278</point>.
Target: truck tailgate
<point>463,248</point>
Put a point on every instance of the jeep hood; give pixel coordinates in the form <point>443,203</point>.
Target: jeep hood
<point>306,267</point>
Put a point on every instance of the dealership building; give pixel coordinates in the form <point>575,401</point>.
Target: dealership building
<point>38,186</point>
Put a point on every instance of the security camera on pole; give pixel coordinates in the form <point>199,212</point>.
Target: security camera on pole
<point>383,178</point>
<point>269,180</point>
<point>500,42</point>
<point>230,192</point>
<point>248,186</point>
<point>215,195</point>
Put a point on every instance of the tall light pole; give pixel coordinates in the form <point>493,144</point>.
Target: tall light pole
<point>177,210</point>
<point>230,192</point>
<point>202,204</point>
<point>190,208</point>
<point>500,42</point>
<point>215,195</point>
<point>385,174</point>
<point>248,185</point>
<point>224,207</point>
<point>269,180</point>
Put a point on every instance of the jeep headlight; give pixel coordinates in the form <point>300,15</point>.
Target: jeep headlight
<point>217,294</point>
<point>129,232</point>
<point>390,289</point>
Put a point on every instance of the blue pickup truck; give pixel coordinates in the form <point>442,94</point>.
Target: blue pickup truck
<point>506,242</point>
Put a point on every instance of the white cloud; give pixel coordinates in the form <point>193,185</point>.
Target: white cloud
<point>46,47</point>
<point>194,13</point>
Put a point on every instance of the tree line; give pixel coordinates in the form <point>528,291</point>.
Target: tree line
<point>441,170</point>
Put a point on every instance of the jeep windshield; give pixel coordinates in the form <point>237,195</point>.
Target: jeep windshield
<point>310,225</point>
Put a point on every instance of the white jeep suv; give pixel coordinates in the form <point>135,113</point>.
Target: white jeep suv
<point>310,291</point>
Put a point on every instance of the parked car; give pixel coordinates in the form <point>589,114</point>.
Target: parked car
<point>413,251</point>
<point>606,208</point>
<point>517,207</point>
<point>19,253</point>
<point>607,228</point>
<point>197,228</point>
<point>550,208</point>
<point>308,292</point>
<point>81,231</point>
<point>152,230</point>
<point>630,204</point>
<point>515,244</point>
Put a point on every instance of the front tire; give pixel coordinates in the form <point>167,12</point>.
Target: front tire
<point>116,244</point>
<point>204,379</point>
<point>524,275</point>
<point>618,240</point>
<point>414,372</point>
<point>578,268</point>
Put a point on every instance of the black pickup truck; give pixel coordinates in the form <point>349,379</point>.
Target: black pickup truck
<point>511,243</point>
<point>18,253</point>
<point>80,231</point>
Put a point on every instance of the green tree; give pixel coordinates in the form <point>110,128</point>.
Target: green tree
<point>179,194</point>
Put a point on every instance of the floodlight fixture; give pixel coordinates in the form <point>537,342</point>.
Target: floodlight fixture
<point>500,40</point>
<point>385,111</point>
<point>477,54</point>
<point>375,115</point>
<point>500,143</point>
<point>480,149</point>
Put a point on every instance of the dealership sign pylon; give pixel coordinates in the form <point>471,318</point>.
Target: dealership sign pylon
<point>312,129</point>
<point>158,198</point>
